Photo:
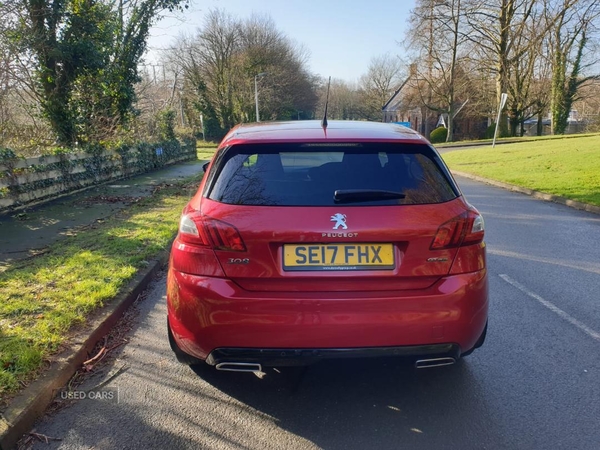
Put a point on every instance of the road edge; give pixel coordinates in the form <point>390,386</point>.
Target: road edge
<point>533,193</point>
<point>31,404</point>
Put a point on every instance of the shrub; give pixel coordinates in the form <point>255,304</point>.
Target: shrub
<point>489,131</point>
<point>593,126</point>
<point>438,135</point>
<point>6,154</point>
<point>166,125</point>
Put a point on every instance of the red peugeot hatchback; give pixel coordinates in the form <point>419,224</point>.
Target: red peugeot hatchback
<point>306,243</point>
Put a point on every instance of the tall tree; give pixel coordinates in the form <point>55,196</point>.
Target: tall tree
<point>573,25</point>
<point>228,58</point>
<point>496,28</point>
<point>345,100</point>
<point>86,55</point>
<point>383,77</point>
<point>540,86</point>
<point>525,73</point>
<point>440,46</point>
<point>288,89</point>
<point>511,35</point>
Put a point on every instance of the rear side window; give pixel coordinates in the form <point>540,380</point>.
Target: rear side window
<point>310,174</point>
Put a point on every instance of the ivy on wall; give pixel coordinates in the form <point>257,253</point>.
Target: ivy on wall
<point>77,171</point>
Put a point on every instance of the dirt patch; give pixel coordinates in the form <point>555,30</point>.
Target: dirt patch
<point>110,199</point>
<point>101,366</point>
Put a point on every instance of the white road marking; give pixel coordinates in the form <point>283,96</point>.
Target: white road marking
<point>552,307</point>
<point>585,266</point>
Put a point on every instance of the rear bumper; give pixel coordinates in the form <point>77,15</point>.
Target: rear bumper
<point>216,320</point>
<point>303,357</point>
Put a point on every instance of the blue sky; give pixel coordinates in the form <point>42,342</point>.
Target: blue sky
<point>341,35</point>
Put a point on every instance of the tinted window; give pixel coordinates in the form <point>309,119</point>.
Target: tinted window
<point>309,174</point>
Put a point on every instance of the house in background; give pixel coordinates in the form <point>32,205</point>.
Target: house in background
<point>398,109</point>
<point>402,108</point>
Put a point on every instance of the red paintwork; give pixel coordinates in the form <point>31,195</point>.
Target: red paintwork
<point>216,312</point>
<point>214,304</point>
<point>311,131</point>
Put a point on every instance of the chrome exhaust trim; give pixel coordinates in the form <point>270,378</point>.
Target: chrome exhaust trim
<point>434,362</point>
<point>239,367</point>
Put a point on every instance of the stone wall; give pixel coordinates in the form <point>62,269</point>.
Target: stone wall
<point>23,181</point>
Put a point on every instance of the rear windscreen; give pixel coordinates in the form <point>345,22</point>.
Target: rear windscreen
<point>310,175</point>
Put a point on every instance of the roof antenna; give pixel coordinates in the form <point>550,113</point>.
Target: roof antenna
<point>324,122</point>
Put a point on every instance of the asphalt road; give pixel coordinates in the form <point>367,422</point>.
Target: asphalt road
<point>533,385</point>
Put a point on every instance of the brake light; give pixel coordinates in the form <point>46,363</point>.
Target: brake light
<point>475,228</point>
<point>224,236</point>
<point>188,229</point>
<point>206,231</point>
<point>466,229</point>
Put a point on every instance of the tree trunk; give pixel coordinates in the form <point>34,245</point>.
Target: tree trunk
<point>564,88</point>
<point>505,19</point>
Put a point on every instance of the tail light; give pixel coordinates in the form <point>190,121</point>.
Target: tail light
<point>466,229</point>
<point>206,231</point>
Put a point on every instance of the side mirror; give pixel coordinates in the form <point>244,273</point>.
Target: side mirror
<point>205,166</point>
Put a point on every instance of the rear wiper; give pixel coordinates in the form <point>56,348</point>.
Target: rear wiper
<point>364,195</point>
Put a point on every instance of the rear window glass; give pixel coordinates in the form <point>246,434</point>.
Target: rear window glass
<point>310,174</point>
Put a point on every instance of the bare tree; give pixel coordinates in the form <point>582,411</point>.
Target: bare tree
<point>526,74</point>
<point>222,63</point>
<point>344,100</point>
<point>439,80</point>
<point>540,86</point>
<point>22,127</point>
<point>383,77</point>
<point>215,48</point>
<point>589,105</point>
<point>497,29</point>
<point>513,35</point>
<point>287,90</point>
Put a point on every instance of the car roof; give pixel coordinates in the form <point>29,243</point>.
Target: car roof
<point>312,131</point>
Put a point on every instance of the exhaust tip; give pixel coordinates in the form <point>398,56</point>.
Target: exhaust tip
<point>434,362</point>
<point>239,367</point>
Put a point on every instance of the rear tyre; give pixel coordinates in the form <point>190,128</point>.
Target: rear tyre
<point>181,356</point>
<point>479,342</point>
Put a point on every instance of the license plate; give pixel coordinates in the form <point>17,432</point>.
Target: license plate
<point>338,257</point>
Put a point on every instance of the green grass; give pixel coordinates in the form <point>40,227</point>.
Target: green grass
<point>569,167</point>
<point>45,297</point>
<point>512,139</point>
<point>205,150</point>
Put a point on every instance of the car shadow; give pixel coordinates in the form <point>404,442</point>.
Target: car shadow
<point>362,403</point>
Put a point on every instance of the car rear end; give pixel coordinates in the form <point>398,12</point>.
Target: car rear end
<point>301,246</point>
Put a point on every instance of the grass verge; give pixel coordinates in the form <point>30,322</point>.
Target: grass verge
<point>569,168</point>
<point>205,150</point>
<point>513,140</point>
<point>45,297</point>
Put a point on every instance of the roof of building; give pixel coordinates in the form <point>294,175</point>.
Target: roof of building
<point>392,103</point>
